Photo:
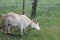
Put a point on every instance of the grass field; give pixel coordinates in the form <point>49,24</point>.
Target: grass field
<point>48,15</point>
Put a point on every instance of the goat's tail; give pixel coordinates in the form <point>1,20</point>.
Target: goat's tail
<point>3,15</point>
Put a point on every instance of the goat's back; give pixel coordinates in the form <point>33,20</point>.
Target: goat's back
<point>15,19</point>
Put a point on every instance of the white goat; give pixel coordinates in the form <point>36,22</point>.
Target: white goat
<point>22,21</point>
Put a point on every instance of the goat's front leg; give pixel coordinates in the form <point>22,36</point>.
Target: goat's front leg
<point>22,30</point>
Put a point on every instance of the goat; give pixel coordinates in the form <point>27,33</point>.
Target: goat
<point>22,21</point>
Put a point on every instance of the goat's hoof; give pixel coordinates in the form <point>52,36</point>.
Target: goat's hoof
<point>7,32</point>
<point>21,34</point>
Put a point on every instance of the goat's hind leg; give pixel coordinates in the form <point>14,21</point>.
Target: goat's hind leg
<point>7,30</point>
<point>24,29</point>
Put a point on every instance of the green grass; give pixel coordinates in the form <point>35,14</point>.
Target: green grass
<point>48,16</point>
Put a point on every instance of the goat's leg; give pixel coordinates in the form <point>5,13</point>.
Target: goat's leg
<point>21,30</point>
<point>24,29</point>
<point>8,29</point>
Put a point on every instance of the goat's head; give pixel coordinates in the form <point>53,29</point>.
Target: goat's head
<point>35,24</point>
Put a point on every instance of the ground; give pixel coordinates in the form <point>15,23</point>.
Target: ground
<point>48,16</point>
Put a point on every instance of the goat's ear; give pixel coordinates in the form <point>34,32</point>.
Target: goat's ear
<point>34,20</point>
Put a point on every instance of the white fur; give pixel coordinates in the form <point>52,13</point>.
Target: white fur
<point>21,21</point>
